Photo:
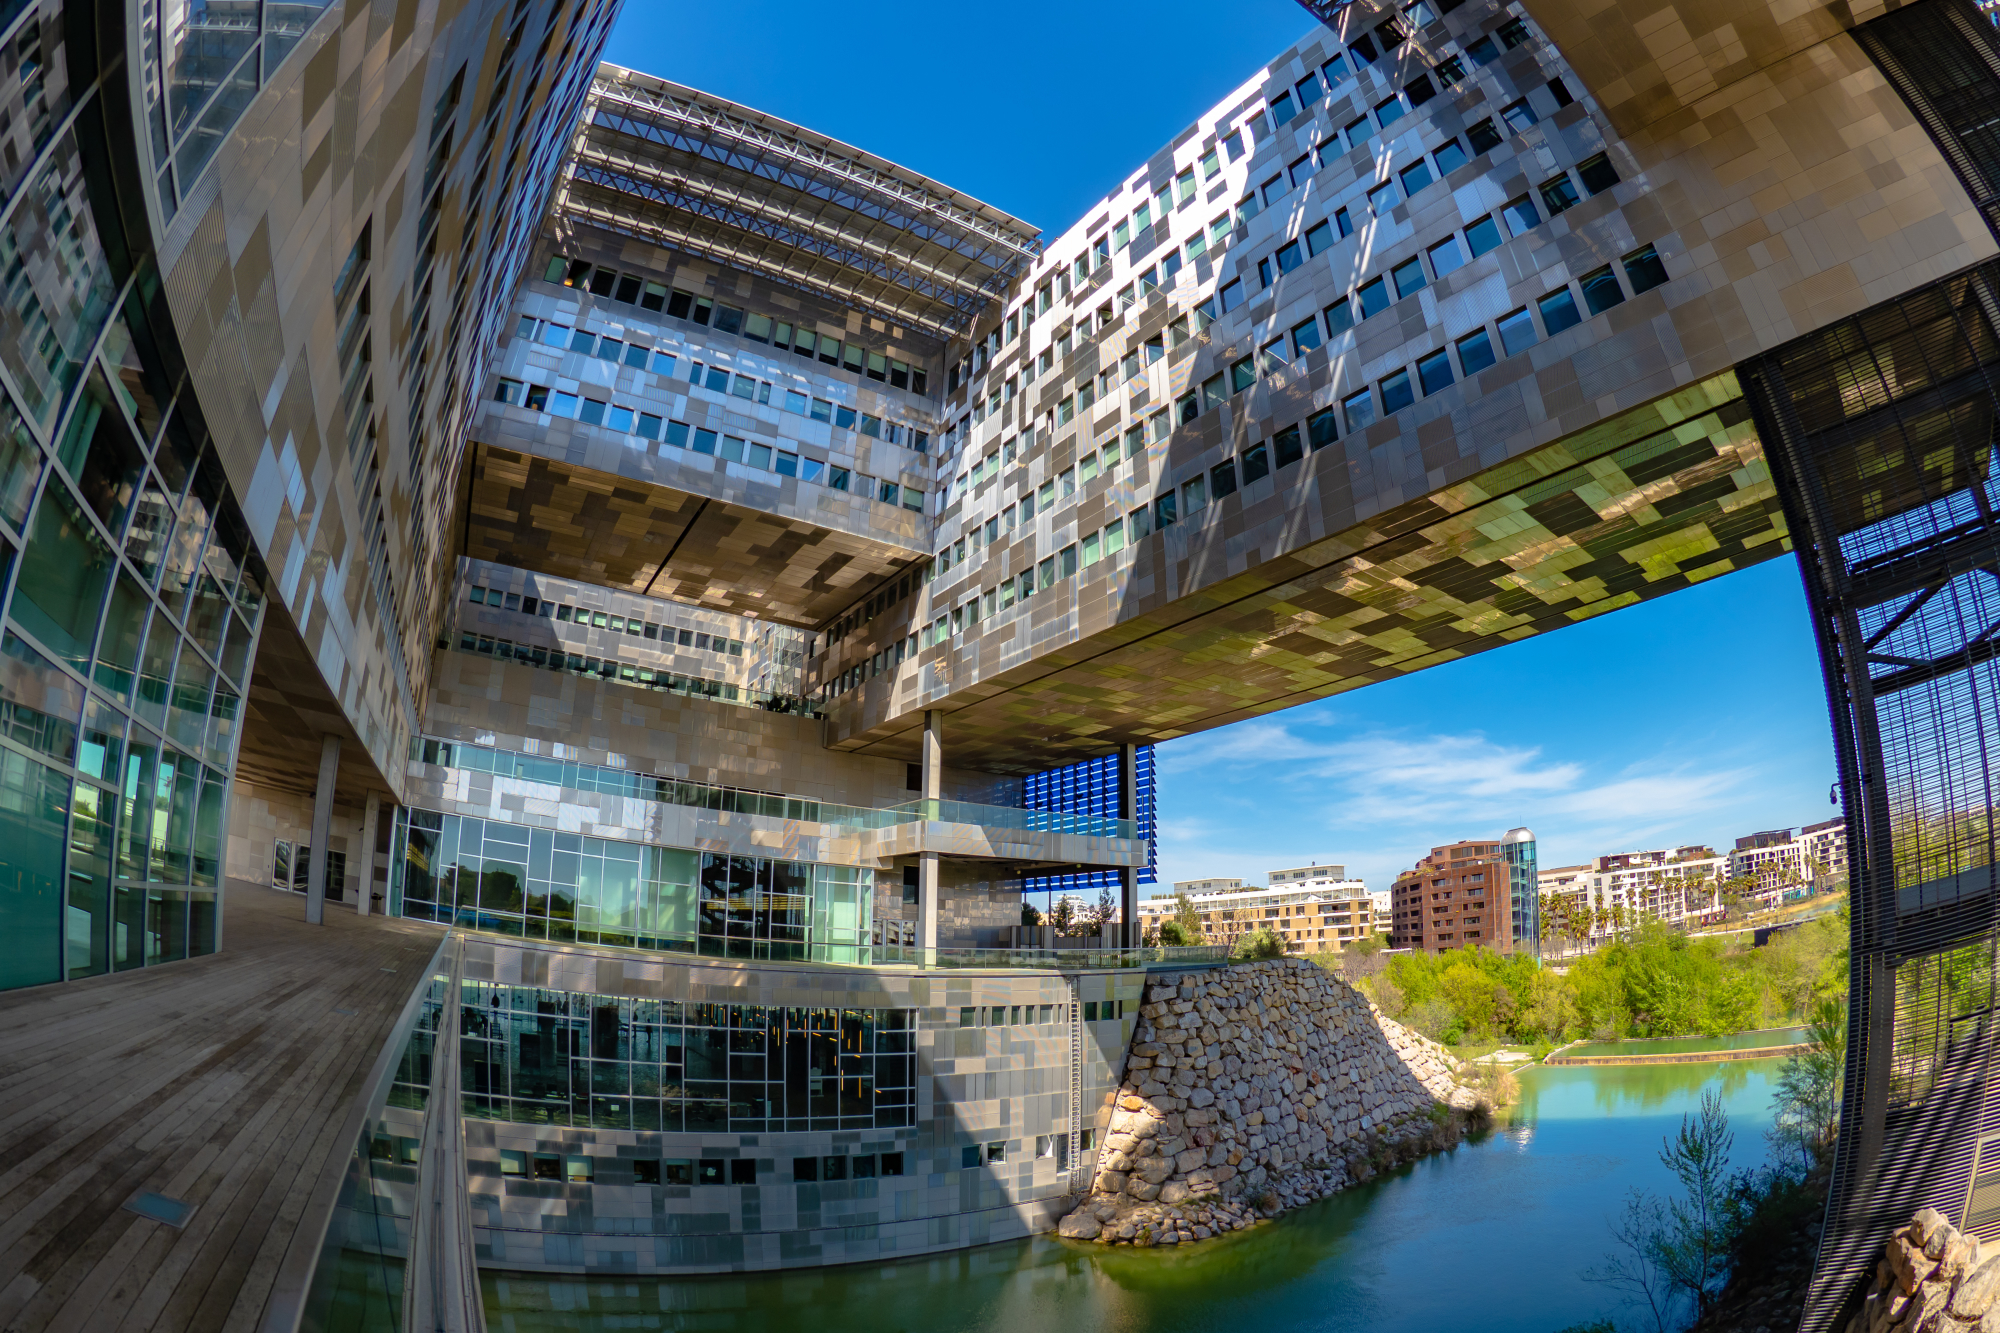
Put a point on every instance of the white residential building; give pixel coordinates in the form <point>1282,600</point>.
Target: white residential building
<point>1784,864</point>
<point>1313,908</point>
<point>1680,886</point>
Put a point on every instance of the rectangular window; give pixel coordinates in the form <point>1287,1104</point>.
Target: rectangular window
<point>1559,311</point>
<point>1644,270</point>
<point>1307,89</point>
<point>1409,277</point>
<point>1273,190</point>
<point>1256,463</point>
<point>1446,256</point>
<point>1450,71</point>
<point>1339,317</point>
<point>1194,495</point>
<point>1597,174</point>
<point>1242,375</point>
<point>1282,108</point>
<point>1415,176</point>
<point>1482,235</point>
<point>1286,446</point>
<point>1222,478</point>
<point>1320,429</point>
<point>1513,33</point>
<point>1305,336</point>
<point>1319,237</point>
<point>1290,256</point>
<point>1483,137</point>
<point>1601,290</point>
<point>1475,352</point>
<point>1229,297</point>
<point>1374,296</point>
<point>1343,223</point>
<point>1389,110</point>
<point>1483,51</point>
<point>1300,171</point>
<point>1559,193</point>
<point>1397,392</point>
<point>1434,373</point>
<point>1382,198</point>
<point>1521,215</point>
<point>1359,409</point>
<point>1518,115</point>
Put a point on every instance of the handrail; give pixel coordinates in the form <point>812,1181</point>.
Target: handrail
<point>298,1272</point>
<point>441,1280</point>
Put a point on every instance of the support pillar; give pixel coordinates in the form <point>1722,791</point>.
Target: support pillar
<point>927,862</point>
<point>322,829</point>
<point>1128,876</point>
<point>371,816</point>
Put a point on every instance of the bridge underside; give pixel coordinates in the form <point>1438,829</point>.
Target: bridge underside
<point>1645,503</point>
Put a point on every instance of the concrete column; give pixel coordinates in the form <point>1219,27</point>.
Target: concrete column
<point>371,815</point>
<point>1128,876</point>
<point>927,862</point>
<point>322,829</point>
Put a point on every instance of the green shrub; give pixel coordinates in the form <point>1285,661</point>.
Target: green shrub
<point>1174,936</point>
<point>1259,944</point>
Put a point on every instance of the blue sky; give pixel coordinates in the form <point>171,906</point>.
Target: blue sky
<point>1692,719</point>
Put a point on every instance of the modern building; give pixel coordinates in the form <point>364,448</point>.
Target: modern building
<point>1678,886</point>
<point>1452,324</point>
<point>1193,886</point>
<point>1782,864</point>
<point>1460,895</point>
<point>1319,911</point>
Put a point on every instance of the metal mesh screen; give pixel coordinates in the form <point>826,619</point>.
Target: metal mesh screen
<point>1091,788</point>
<point>1881,434</point>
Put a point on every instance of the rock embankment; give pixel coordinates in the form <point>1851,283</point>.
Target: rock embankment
<point>1932,1278</point>
<point>1255,1088</point>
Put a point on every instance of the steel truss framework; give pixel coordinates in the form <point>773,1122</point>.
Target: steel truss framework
<point>678,168</point>
<point>1880,430</point>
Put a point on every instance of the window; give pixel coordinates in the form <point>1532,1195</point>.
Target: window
<point>1222,478</point>
<point>1483,52</point>
<point>1305,336</point>
<point>1307,89</point>
<point>1318,237</point>
<point>1416,176</point>
<point>1343,222</point>
<point>1409,277</point>
<point>1246,209</point>
<point>1450,156</point>
<point>1359,409</point>
<point>1363,49</point>
<point>1339,318</point>
<point>1263,273</point>
<point>1300,171</point>
<point>1211,162</point>
<point>1389,110</point>
<point>1229,298</point>
<point>1518,115</point>
<point>1644,270</point>
<point>1242,375</point>
<point>1483,137</point>
<point>1286,447</point>
<point>1512,33</point>
<point>1521,215</point>
<point>1434,373</point>
<point>1374,296</point>
<point>1273,190</point>
<point>1194,499</point>
<point>1256,464</point>
<point>1560,91</point>
<point>1475,352</point>
<point>1382,198</point>
<point>1446,256</point>
<point>1480,236</point>
<point>1450,71</point>
<point>1272,355</point>
<point>1397,393</point>
<point>1597,174</point>
<point>1558,311</point>
<point>1282,108</point>
<point>1320,429</point>
<point>1290,256</point>
<point>1559,193</point>
<point>1601,290</point>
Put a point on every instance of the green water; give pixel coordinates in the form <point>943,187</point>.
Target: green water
<point>1491,1236</point>
<point>1735,1041</point>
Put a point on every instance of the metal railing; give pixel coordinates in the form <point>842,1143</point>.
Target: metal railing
<point>770,805</point>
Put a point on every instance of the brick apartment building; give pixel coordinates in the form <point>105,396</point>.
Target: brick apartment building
<point>1459,895</point>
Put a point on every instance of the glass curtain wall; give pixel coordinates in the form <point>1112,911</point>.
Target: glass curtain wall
<point>131,596</point>
<point>543,885</point>
<point>548,1057</point>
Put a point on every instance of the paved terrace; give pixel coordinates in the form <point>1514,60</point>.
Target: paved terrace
<point>224,1081</point>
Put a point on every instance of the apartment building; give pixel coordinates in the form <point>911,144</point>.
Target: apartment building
<point>1782,862</point>
<point>1312,909</point>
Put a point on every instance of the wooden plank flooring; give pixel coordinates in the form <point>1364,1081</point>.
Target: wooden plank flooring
<point>224,1081</point>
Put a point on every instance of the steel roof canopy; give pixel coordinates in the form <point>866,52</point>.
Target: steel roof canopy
<point>681,168</point>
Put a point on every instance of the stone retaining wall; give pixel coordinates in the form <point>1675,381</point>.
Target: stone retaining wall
<point>1253,1087</point>
<point>1932,1278</point>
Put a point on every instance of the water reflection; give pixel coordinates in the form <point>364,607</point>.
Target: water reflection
<point>1498,1229</point>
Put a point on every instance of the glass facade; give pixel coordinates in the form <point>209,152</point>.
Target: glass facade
<point>132,599</point>
<point>1517,849</point>
<point>608,1062</point>
<point>1091,788</point>
<point>539,884</point>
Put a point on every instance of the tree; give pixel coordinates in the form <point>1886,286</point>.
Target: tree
<point>1693,1247</point>
<point>1189,918</point>
<point>1260,943</point>
<point>1174,935</point>
<point>1633,1266</point>
<point>1808,1099</point>
<point>1029,916</point>
<point>1062,915</point>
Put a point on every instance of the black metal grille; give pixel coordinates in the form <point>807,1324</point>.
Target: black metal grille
<point>1880,430</point>
<point>1943,56</point>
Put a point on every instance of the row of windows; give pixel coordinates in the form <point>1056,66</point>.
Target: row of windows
<point>579,615</point>
<point>1025,1015</point>
<point>729,448</point>
<point>1057,490</point>
<point>860,1166</point>
<point>711,377</point>
<point>1053,1147</point>
<point>555,659</point>
<point>632,289</point>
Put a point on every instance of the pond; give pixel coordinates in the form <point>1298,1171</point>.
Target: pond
<point>1496,1232</point>
<point>1734,1041</point>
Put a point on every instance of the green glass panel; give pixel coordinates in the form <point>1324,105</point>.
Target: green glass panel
<point>208,824</point>
<point>65,570</point>
<point>124,632</point>
<point>135,807</point>
<point>20,465</point>
<point>39,705</point>
<point>34,815</point>
<point>87,909</point>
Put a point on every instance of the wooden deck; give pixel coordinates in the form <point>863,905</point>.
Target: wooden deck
<point>224,1081</point>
